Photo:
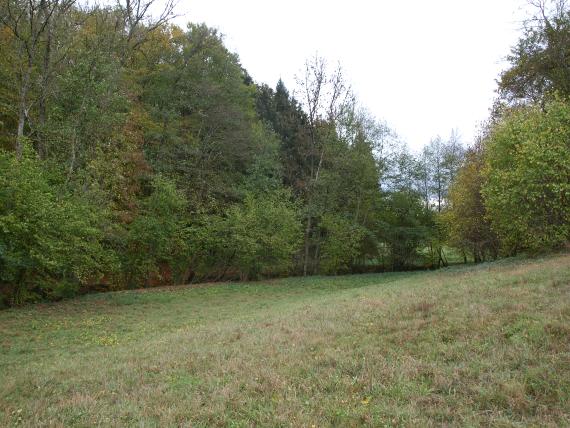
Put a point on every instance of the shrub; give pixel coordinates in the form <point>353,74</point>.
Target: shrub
<point>50,241</point>
<point>342,243</point>
<point>527,172</point>
<point>255,238</point>
<point>404,228</point>
<point>158,236</point>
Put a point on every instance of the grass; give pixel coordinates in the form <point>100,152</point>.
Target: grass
<point>466,346</point>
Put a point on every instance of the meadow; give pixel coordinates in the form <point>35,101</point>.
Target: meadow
<point>473,345</point>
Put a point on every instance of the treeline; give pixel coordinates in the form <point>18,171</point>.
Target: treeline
<point>137,153</point>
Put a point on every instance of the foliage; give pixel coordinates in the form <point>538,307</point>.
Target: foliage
<point>50,241</point>
<point>467,218</point>
<point>158,236</point>
<point>404,228</point>
<point>539,61</point>
<point>175,165</point>
<point>253,239</point>
<point>527,178</point>
<point>286,117</point>
<point>341,244</point>
<point>202,130</point>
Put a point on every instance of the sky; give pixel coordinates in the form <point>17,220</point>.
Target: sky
<point>424,67</point>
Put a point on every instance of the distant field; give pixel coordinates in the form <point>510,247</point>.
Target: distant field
<point>486,345</point>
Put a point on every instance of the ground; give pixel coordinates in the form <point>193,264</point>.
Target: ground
<point>465,346</point>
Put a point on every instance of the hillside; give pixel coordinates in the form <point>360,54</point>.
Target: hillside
<point>484,345</point>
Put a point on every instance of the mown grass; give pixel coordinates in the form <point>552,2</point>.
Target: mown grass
<point>470,346</point>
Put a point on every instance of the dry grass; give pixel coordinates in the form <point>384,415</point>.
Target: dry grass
<point>486,345</point>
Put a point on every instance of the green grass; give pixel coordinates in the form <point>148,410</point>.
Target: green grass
<point>484,345</point>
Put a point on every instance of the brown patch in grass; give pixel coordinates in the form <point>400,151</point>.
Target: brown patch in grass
<point>557,330</point>
<point>425,308</point>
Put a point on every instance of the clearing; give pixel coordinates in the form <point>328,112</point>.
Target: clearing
<point>469,345</point>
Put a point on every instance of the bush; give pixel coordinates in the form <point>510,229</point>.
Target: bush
<point>405,226</point>
<point>255,238</point>
<point>466,218</point>
<point>50,241</point>
<point>527,172</point>
<point>158,237</point>
<point>342,244</point>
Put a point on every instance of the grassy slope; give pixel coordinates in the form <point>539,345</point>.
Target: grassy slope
<point>465,346</point>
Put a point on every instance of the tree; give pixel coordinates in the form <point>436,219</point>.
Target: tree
<point>527,177</point>
<point>346,188</point>
<point>438,164</point>
<point>540,62</point>
<point>348,195</point>
<point>203,130</point>
<point>30,23</point>
<point>453,156</point>
<point>137,23</point>
<point>467,218</point>
<point>154,148</point>
<point>326,99</point>
<point>286,117</point>
<point>404,228</point>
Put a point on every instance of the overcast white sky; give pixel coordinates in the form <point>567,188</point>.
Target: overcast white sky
<point>425,67</point>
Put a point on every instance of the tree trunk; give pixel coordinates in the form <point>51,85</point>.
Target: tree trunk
<point>42,104</point>
<point>22,112</point>
<point>316,257</point>
<point>307,245</point>
<point>442,257</point>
